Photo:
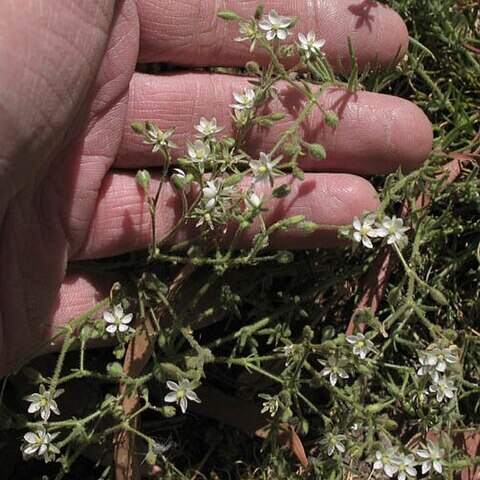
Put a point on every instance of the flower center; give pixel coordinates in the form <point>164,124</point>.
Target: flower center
<point>182,393</point>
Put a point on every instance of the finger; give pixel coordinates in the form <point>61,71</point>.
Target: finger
<point>376,134</point>
<point>80,292</point>
<point>190,33</point>
<point>121,222</point>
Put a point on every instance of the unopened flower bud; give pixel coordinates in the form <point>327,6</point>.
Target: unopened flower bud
<point>228,15</point>
<point>318,151</point>
<point>137,127</point>
<point>143,179</point>
<point>331,118</point>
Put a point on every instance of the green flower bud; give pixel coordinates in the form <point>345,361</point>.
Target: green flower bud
<point>318,151</point>
<point>298,172</point>
<point>151,458</point>
<point>308,227</point>
<point>253,67</point>
<point>284,257</point>
<point>277,116</point>
<point>438,296</point>
<point>233,180</point>
<point>115,369</point>
<point>169,411</point>
<point>281,191</point>
<point>150,126</point>
<point>259,11</point>
<point>143,179</point>
<point>331,118</point>
<point>228,15</point>
<point>137,127</point>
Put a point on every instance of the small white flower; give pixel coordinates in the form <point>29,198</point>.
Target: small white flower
<point>159,139</point>
<point>160,448</point>
<point>335,369</point>
<point>244,100</point>
<point>363,230</point>
<point>249,32</point>
<point>205,218</point>
<point>117,320</point>
<point>309,45</point>
<point>37,443</point>
<point>406,467</point>
<point>43,402</point>
<point>262,168</point>
<point>198,151</point>
<point>361,345</point>
<point>270,405</point>
<point>210,193</point>
<point>393,229</point>
<point>275,25</point>
<point>387,461</point>
<point>432,456</point>
<point>181,393</point>
<point>444,389</point>
<point>333,442</point>
<point>253,201</point>
<point>208,127</point>
<point>241,117</point>
<point>427,367</point>
<point>441,357</point>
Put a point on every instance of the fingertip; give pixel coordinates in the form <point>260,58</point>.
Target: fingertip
<point>414,135</point>
<point>381,34</point>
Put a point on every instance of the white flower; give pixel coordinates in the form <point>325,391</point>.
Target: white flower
<point>249,32</point>
<point>363,230</point>
<point>43,402</point>
<point>208,127</point>
<point>210,193</point>
<point>427,367</point>
<point>361,345</point>
<point>335,369</point>
<point>270,405</point>
<point>431,456</point>
<point>333,442</point>
<point>38,443</point>
<point>393,229</point>
<point>117,320</point>
<point>275,25</point>
<point>181,393</point>
<point>309,45</point>
<point>441,357</point>
<point>406,467</point>
<point>253,201</point>
<point>158,138</point>
<point>444,389</point>
<point>244,100</point>
<point>205,218</point>
<point>387,461</point>
<point>262,168</point>
<point>199,151</point>
<point>240,117</point>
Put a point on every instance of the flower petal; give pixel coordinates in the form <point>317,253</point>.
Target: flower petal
<point>170,397</point>
<point>173,386</point>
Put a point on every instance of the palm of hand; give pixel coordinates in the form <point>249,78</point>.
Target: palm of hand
<point>48,221</point>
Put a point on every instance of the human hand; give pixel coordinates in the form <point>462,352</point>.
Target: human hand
<point>68,93</point>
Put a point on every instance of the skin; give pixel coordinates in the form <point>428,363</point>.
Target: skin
<point>68,93</point>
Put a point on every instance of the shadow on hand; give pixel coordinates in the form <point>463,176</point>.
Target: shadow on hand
<point>363,12</point>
